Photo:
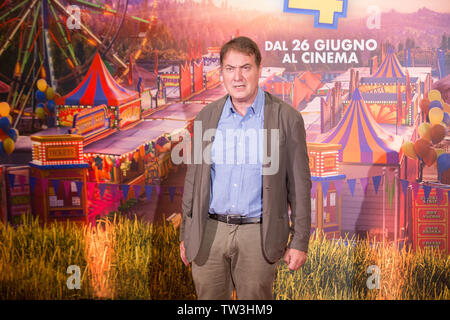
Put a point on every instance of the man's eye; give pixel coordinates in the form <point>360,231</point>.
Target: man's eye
<point>229,69</point>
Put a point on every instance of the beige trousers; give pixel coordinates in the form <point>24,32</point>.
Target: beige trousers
<point>231,257</point>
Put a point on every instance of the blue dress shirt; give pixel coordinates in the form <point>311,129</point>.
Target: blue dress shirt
<point>236,161</point>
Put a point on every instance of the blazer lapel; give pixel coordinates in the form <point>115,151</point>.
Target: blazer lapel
<point>271,110</point>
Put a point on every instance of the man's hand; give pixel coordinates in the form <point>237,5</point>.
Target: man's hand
<point>183,254</point>
<point>294,258</point>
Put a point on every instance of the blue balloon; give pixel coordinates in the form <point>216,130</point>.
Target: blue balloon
<point>446,119</point>
<point>436,104</point>
<point>40,105</point>
<point>12,134</point>
<point>51,105</point>
<point>5,125</point>
<point>40,96</point>
<point>443,163</point>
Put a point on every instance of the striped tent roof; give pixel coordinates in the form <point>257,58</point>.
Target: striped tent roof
<point>390,68</point>
<point>362,139</point>
<point>98,87</point>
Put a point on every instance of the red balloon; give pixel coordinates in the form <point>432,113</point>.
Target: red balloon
<point>437,133</point>
<point>422,147</point>
<point>430,157</point>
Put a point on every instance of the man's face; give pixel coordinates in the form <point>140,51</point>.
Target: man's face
<point>241,77</point>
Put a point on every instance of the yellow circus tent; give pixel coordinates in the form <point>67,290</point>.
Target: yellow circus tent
<point>362,139</point>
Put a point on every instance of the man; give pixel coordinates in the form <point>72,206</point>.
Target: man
<point>236,222</point>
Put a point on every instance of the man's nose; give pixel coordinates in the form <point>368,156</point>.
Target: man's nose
<point>237,74</point>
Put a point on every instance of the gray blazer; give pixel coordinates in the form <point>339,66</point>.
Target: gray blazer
<point>290,185</point>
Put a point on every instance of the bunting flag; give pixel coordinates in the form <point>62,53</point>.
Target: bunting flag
<point>351,184</point>
<point>325,186</point>
<point>313,189</point>
<point>338,186</point>
<point>415,187</point>
<point>376,180</point>
<point>79,185</point>
<point>66,185</point>
<point>32,183</point>
<point>405,184</point>
<point>102,189</point>
<point>55,184</point>
<point>12,179</point>
<point>364,184</point>
<point>171,193</point>
<point>125,188</point>
<point>148,191</point>
<point>137,191</point>
<point>426,191</point>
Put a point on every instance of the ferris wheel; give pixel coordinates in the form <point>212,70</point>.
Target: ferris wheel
<point>57,40</point>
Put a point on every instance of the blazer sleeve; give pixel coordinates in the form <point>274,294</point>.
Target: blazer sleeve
<point>298,184</point>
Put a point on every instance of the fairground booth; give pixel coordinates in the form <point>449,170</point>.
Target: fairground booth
<point>85,167</point>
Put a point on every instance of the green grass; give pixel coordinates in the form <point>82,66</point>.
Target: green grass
<point>129,259</point>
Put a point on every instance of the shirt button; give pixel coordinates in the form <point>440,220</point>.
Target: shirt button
<point>232,205</point>
<point>235,185</point>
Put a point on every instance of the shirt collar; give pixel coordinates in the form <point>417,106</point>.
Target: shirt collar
<point>255,108</point>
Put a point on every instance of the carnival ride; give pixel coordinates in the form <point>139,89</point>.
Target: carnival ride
<point>57,40</point>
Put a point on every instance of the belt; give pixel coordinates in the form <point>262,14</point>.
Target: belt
<point>234,218</point>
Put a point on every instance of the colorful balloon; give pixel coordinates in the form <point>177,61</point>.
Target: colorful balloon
<point>424,130</point>
<point>408,150</point>
<point>40,96</point>
<point>8,145</point>
<point>430,157</point>
<point>51,105</point>
<point>436,115</point>
<point>13,134</point>
<point>422,147</point>
<point>42,85</point>
<point>5,124</point>
<point>437,133</point>
<point>50,93</point>
<point>436,104</point>
<point>434,95</point>
<point>5,109</point>
<point>443,162</point>
<point>40,112</point>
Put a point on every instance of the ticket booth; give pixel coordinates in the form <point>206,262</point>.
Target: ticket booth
<point>326,198</point>
<point>58,177</point>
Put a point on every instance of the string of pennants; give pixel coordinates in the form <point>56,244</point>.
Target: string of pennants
<point>67,184</point>
<point>148,189</point>
<point>376,181</point>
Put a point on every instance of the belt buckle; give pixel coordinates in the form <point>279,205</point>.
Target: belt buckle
<point>232,216</point>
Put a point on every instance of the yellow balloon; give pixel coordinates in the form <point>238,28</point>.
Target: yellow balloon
<point>424,130</point>
<point>4,109</point>
<point>436,115</point>
<point>408,150</point>
<point>50,93</point>
<point>42,85</point>
<point>8,145</point>
<point>10,119</point>
<point>434,95</point>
